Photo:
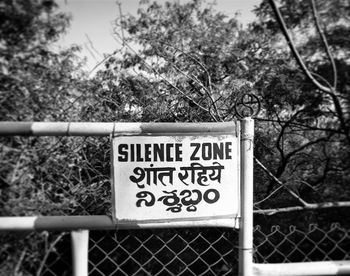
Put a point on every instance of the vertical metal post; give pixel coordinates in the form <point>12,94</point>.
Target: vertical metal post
<point>80,247</point>
<point>246,222</point>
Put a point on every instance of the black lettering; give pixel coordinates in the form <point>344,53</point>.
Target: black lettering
<point>138,153</point>
<point>123,153</point>
<point>132,153</point>
<point>178,152</point>
<point>212,198</point>
<point>228,150</point>
<point>186,200</point>
<point>145,197</point>
<point>148,152</point>
<point>206,151</point>
<point>168,152</point>
<point>196,149</point>
<point>218,151</point>
<point>158,150</point>
<point>170,199</point>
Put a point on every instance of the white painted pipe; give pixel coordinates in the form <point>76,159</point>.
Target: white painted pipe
<point>303,269</point>
<point>106,129</point>
<point>80,252</point>
<point>17,223</point>
<point>246,223</point>
<point>102,222</point>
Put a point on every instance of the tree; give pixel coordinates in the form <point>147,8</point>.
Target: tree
<point>36,83</point>
<point>185,69</point>
<point>312,122</point>
<point>179,63</point>
<point>191,64</point>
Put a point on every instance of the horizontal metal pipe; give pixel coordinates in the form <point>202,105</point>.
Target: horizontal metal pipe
<point>69,223</point>
<point>105,129</point>
<point>303,269</point>
<point>53,223</point>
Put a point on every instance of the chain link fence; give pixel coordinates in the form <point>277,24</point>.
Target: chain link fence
<point>169,252</point>
<point>76,182</point>
<point>294,245</point>
<point>190,251</point>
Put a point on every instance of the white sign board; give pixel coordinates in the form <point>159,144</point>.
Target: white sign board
<point>176,180</point>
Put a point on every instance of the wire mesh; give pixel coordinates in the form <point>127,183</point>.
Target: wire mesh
<point>294,245</point>
<point>169,252</point>
<point>190,251</point>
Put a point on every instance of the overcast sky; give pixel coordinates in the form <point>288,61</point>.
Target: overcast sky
<point>91,26</point>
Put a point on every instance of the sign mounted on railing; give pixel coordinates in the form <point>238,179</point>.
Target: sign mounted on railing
<point>176,180</point>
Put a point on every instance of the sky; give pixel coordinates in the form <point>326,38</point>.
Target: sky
<point>91,25</point>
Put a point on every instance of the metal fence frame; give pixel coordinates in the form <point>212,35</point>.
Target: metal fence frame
<point>80,225</point>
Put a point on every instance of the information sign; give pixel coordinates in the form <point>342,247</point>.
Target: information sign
<point>176,180</point>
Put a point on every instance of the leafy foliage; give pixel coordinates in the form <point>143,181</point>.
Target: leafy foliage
<point>311,126</point>
<point>189,63</point>
<point>179,63</point>
<point>36,83</point>
<point>186,65</point>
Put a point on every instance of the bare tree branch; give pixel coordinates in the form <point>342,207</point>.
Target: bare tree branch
<point>325,43</point>
<point>208,90</point>
<point>48,251</point>
<point>167,81</point>
<point>303,202</point>
<point>327,89</point>
<point>120,19</point>
<point>305,205</point>
<point>19,263</point>
<point>308,206</point>
<point>295,51</point>
<point>305,127</point>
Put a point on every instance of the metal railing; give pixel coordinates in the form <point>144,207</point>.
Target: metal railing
<point>194,251</point>
<point>294,245</point>
<point>189,251</point>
